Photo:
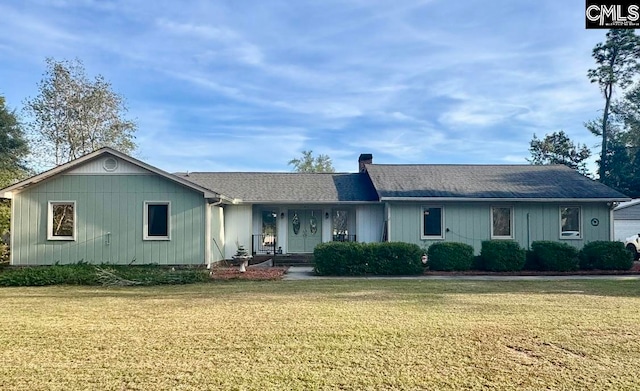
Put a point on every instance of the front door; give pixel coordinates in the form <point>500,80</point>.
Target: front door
<point>305,230</point>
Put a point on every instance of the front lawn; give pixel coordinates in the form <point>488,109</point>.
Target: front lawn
<point>326,334</point>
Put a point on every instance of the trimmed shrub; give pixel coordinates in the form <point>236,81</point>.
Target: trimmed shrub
<point>340,259</point>
<point>603,255</point>
<point>450,256</point>
<point>555,256</point>
<point>356,259</point>
<point>531,262</point>
<point>502,256</point>
<point>393,258</point>
<point>477,263</point>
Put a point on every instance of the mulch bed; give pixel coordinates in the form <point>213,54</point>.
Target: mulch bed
<point>252,274</point>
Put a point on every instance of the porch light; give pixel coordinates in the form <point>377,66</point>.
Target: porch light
<point>326,215</point>
<point>282,215</point>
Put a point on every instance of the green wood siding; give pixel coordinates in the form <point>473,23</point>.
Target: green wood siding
<point>470,222</point>
<point>108,204</point>
<point>369,223</point>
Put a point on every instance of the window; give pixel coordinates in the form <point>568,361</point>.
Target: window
<point>501,223</point>
<point>157,221</point>
<point>61,220</point>
<point>269,226</point>
<point>570,222</point>
<point>340,226</point>
<point>432,222</point>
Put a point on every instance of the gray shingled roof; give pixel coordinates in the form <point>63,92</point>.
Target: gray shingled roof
<point>487,181</point>
<point>286,187</point>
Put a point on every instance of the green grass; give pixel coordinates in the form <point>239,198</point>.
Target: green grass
<point>327,334</point>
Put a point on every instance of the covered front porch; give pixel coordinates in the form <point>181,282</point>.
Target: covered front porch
<point>298,229</point>
<point>266,229</point>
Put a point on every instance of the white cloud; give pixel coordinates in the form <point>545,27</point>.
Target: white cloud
<point>232,46</point>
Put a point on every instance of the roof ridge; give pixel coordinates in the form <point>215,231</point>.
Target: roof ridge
<point>466,164</point>
<point>263,172</point>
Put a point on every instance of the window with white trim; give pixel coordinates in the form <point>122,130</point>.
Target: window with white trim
<point>570,222</point>
<point>501,222</point>
<point>157,220</point>
<point>61,220</point>
<point>432,222</point>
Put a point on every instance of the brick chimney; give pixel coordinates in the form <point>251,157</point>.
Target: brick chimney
<point>365,158</point>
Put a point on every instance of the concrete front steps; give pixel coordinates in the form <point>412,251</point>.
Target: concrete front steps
<point>293,260</point>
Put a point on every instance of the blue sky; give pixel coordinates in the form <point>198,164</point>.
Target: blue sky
<point>247,85</point>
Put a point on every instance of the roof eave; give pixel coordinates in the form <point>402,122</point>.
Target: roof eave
<point>298,202</point>
<point>498,199</point>
<point>631,203</point>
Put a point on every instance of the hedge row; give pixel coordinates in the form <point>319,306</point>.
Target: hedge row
<point>87,274</point>
<point>504,256</point>
<point>356,259</point>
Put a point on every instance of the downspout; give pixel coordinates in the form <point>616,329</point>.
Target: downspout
<point>12,234</point>
<point>528,231</point>
<point>612,206</point>
<point>388,221</point>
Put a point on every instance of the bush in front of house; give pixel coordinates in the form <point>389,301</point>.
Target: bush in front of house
<point>603,255</point>
<point>393,258</point>
<point>501,256</point>
<point>340,259</point>
<point>450,256</point>
<point>88,274</point>
<point>356,259</point>
<point>554,256</point>
<point>531,262</point>
<point>75,274</point>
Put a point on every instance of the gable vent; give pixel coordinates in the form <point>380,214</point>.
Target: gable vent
<point>110,164</point>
